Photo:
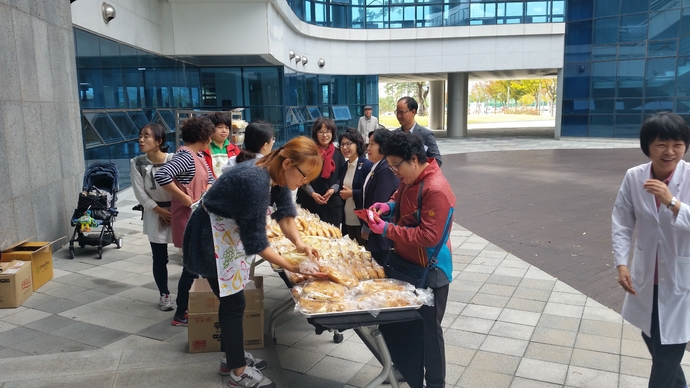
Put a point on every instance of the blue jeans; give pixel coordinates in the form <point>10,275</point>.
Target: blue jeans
<point>666,369</point>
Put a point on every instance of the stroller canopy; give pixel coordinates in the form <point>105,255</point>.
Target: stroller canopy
<point>103,176</point>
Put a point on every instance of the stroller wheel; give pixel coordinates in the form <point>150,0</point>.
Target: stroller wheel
<point>118,243</point>
<point>71,252</point>
<point>100,253</point>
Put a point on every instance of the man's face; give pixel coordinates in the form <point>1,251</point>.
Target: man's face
<point>404,115</point>
<point>367,113</point>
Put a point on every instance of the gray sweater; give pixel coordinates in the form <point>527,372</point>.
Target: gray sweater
<point>243,194</point>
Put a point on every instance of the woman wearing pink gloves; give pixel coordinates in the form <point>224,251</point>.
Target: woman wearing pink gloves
<point>418,221</point>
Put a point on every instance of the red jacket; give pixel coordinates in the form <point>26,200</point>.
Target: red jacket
<point>232,149</point>
<point>414,242</point>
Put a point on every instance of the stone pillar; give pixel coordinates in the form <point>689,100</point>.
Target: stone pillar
<point>457,104</point>
<point>42,158</point>
<point>437,104</point>
<point>559,104</point>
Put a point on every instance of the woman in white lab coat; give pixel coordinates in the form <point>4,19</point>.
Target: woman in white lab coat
<point>655,199</point>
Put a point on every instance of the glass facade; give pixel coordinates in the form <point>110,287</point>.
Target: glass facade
<point>425,13</point>
<point>121,89</point>
<point>624,60</point>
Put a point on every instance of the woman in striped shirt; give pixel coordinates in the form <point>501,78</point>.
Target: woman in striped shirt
<point>186,176</point>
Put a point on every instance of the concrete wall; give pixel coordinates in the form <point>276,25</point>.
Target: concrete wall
<point>41,151</point>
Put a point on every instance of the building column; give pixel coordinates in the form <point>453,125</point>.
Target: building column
<point>437,104</point>
<point>457,104</point>
<point>559,104</point>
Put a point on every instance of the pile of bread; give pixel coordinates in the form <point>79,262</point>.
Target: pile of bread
<point>355,281</point>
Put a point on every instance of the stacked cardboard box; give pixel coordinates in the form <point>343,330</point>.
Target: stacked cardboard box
<point>204,329</point>
<point>15,283</point>
<point>40,256</point>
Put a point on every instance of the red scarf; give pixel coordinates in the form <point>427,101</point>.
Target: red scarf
<point>328,163</point>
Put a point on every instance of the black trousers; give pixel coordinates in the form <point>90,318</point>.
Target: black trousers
<point>183,286</point>
<point>160,266</point>
<point>434,345</point>
<point>230,315</point>
<point>666,369</point>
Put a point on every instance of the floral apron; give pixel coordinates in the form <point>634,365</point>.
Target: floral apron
<point>180,213</point>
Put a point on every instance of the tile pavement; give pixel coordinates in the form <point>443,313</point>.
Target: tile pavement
<point>507,324</point>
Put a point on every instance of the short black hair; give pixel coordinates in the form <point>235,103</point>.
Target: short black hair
<point>380,135</point>
<point>256,135</point>
<point>405,145</point>
<point>664,126</point>
<point>410,102</point>
<point>218,118</point>
<point>197,129</point>
<point>354,136</point>
<point>158,133</point>
<point>316,127</point>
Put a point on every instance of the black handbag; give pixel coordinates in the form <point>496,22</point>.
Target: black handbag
<point>398,268</point>
<point>92,201</point>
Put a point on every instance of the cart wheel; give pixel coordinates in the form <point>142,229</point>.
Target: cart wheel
<point>118,243</point>
<point>71,252</point>
<point>100,253</point>
<point>82,245</point>
<point>337,337</point>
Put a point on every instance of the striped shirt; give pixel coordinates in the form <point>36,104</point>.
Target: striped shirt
<point>181,166</point>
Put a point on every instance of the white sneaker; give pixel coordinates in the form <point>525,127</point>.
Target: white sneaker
<point>250,378</point>
<point>251,361</point>
<point>166,303</point>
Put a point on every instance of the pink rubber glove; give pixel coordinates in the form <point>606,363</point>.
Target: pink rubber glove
<point>381,208</point>
<point>377,225</point>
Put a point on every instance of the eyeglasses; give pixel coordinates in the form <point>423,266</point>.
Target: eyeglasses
<point>346,144</point>
<point>322,133</point>
<point>400,112</point>
<point>304,176</point>
<point>395,167</point>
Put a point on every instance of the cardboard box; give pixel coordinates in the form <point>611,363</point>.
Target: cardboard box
<point>203,326</point>
<point>40,254</point>
<point>201,298</point>
<point>253,328</point>
<point>15,283</point>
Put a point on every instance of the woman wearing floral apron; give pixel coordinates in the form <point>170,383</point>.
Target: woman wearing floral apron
<point>229,228</point>
<point>186,177</point>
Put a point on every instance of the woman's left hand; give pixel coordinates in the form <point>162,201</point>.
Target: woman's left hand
<point>659,189</point>
<point>309,251</point>
<point>328,194</point>
<point>345,193</point>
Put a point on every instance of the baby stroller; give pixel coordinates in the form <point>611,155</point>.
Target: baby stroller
<point>96,208</point>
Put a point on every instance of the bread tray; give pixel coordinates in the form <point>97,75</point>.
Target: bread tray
<point>357,312</point>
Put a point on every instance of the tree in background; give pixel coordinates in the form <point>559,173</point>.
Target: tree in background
<point>417,90</point>
<point>523,93</point>
<point>550,90</point>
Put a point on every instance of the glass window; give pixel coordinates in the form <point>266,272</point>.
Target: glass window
<point>358,17</point>
<point>628,126</point>
<point>262,86</point>
<point>576,80</point>
<point>456,14</point>
<point>557,11</point>
<point>630,78</point>
<point>604,79</point>
<point>579,10</point>
<point>630,51</point>
<point>633,6</point>
<point>666,4</point>
<point>606,8</point>
<point>603,106</point>
<point>633,28</point>
<point>629,105</point>
<point>683,77</point>
<point>664,25</point>
<point>662,49</point>
<point>604,53</point>
<point>601,126</point>
<point>660,77</point>
<point>429,16</point>
<point>682,105</point>
<point>605,30</point>
<point>338,16</point>
<point>402,17</point>
<point>483,13</point>
<point>574,125</point>
<point>578,41</point>
<point>576,107</point>
<point>377,17</point>
<point>655,105</point>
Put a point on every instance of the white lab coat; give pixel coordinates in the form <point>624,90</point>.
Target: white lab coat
<point>662,235</point>
<point>147,197</point>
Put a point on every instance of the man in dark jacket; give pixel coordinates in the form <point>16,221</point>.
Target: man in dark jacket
<point>405,112</point>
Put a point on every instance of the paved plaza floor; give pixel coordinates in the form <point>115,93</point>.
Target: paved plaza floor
<point>508,322</point>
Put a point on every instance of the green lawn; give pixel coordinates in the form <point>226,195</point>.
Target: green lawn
<point>392,122</point>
